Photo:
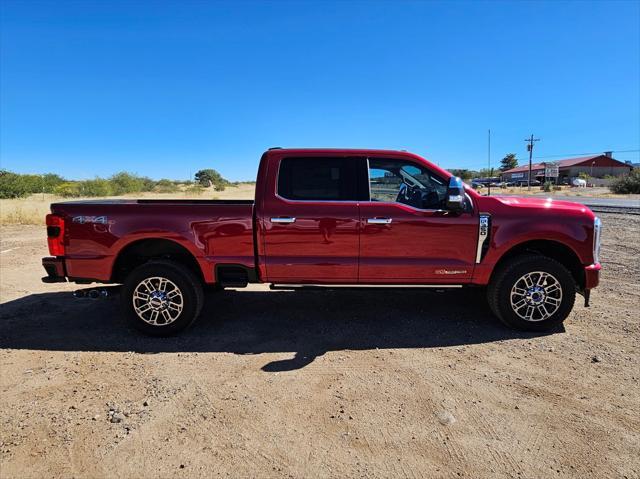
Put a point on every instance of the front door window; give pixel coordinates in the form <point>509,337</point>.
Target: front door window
<point>399,181</point>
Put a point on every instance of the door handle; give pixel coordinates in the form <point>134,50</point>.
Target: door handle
<point>379,221</point>
<point>283,220</point>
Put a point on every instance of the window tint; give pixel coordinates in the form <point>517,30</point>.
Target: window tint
<point>324,179</point>
<point>404,182</point>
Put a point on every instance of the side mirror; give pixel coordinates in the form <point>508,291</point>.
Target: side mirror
<point>455,195</point>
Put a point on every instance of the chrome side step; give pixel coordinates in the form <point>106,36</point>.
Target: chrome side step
<point>281,286</point>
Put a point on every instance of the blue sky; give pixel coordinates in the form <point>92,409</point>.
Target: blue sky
<point>163,89</point>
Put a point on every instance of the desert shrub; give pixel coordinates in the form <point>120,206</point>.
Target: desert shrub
<point>67,189</point>
<point>123,183</point>
<point>626,184</point>
<point>547,186</point>
<point>165,186</point>
<point>33,183</point>
<point>147,184</point>
<point>50,181</point>
<point>194,189</point>
<point>95,187</point>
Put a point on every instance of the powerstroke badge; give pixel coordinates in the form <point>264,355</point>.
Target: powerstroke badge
<point>451,271</point>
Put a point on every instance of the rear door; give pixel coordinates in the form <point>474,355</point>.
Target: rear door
<point>310,220</point>
<point>408,236</point>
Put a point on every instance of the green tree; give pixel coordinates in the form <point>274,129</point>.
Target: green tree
<point>462,173</point>
<point>210,177</point>
<point>487,172</point>
<point>12,185</point>
<point>508,162</point>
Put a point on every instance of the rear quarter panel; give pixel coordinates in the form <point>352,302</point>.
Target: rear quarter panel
<point>96,233</point>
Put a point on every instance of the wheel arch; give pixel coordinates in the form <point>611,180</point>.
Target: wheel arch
<point>144,250</point>
<point>556,250</point>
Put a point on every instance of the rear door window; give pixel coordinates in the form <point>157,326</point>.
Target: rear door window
<point>318,179</point>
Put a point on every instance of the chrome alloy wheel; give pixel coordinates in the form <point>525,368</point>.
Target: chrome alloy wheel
<point>157,301</point>
<point>536,296</point>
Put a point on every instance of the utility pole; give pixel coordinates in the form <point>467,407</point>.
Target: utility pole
<point>489,161</point>
<point>530,150</point>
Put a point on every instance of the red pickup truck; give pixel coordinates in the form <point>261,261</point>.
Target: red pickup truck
<point>328,217</point>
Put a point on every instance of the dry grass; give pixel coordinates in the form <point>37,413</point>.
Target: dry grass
<point>25,211</point>
<point>32,210</point>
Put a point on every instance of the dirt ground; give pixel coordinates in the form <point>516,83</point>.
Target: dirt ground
<point>318,384</point>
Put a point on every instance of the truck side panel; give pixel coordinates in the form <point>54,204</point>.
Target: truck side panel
<point>97,233</point>
<point>514,225</point>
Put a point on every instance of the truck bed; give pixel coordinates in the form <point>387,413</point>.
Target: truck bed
<point>143,201</point>
<point>98,231</point>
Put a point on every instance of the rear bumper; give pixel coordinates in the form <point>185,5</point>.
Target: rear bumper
<point>55,270</point>
<point>592,275</point>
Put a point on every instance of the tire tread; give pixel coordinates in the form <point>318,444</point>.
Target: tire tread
<point>505,270</point>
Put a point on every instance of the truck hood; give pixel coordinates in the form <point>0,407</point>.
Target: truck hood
<point>541,204</point>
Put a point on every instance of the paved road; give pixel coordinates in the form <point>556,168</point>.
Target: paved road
<point>589,201</point>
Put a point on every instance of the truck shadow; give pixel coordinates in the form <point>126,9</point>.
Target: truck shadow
<point>308,323</point>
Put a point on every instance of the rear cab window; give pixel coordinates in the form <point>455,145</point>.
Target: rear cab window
<point>319,179</point>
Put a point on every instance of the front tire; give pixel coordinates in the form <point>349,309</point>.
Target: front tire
<point>532,293</point>
<point>161,298</point>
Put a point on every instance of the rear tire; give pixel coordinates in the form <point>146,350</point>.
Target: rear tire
<point>161,298</point>
<point>532,293</point>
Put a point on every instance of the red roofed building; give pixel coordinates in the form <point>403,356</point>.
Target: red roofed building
<point>597,166</point>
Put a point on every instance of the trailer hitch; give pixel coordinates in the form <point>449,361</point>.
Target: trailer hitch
<point>96,293</point>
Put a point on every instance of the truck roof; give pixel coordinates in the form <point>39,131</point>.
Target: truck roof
<point>346,151</point>
<point>279,152</point>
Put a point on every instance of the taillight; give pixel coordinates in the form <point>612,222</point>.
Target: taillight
<point>55,235</point>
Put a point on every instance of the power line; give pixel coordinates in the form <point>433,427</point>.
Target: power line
<point>589,153</point>
<point>560,156</point>
<point>578,154</point>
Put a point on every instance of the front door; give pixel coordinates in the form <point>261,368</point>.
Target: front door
<point>407,235</point>
<point>311,221</point>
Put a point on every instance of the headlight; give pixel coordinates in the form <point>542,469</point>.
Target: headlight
<point>597,229</point>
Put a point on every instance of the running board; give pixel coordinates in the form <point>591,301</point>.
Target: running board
<point>360,286</point>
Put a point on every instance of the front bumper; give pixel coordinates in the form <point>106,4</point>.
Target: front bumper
<point>592,276</point>
<point>55,270</point>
